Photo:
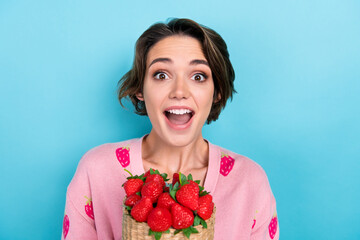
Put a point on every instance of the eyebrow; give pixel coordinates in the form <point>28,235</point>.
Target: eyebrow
<point>168,60</point>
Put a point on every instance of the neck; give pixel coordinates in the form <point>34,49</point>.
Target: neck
<point>170,159</point>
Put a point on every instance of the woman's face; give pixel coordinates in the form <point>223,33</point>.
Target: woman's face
<point>178,89</point>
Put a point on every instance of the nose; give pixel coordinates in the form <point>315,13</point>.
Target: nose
<point>179,88</point>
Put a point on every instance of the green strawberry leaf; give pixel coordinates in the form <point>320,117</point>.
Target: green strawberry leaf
<point>203,223</point>
<point>182,179</point>
<point>177,231</point>
<point>164,176</point>
<point>197,220</point>
<point>138,193</point>
<point>190,177</point>
<point>173,190</point>
<point>127,207</point>
<point>187,232</point>
<point>197,181</point>
<point>201,188</point>
<point>203,193</point>
<point>157,235</point>
<point>194,230</point>
<point>152,171</point>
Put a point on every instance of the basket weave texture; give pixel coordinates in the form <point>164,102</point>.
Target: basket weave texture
<point>133,230</point>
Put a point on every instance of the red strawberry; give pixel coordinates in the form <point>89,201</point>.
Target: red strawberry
<point>188,195</point>
<point>66,225</point>
<point>273,226</point>
<point>89,208</point>
<point>206,207</point>
<point>152,190</point>
<point>159,219</point>
<point>132,200</point>
<point>133,185</point>
<point>147,173</point>
<point>165,201</point>
<point>141,209</point>
<point>226,164</point>
<point>175,179</point>
<point>123,156</point>
<point>182,217</point>
<point>156,178</point>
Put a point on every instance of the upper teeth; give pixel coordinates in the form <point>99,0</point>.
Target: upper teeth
<point>179,111</point>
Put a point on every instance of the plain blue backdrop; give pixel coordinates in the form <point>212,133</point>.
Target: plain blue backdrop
<point>296,113</point>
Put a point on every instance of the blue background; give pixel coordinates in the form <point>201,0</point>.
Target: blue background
<point>296,113</point>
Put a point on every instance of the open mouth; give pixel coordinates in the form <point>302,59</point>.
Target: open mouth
<point>179,116</point>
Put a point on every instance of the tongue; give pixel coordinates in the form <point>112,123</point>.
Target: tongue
<point>179,119</point>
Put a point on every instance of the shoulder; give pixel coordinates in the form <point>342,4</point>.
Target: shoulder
<point>102,161</point>
<point>239,167</point>
<point>100,155</point>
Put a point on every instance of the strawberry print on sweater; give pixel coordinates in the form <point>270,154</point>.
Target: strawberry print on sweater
<point>66,225</point>
<point>273,226</point>
<point>89,208</point>
<point>254,220</point>
<point>123,155</point>
<point>226,164</point>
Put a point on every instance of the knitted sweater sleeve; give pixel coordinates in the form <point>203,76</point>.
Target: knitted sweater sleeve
<point>265,224</point>
<point>78,222</point>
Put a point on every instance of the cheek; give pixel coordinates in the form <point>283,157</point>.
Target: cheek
<point>153,100</point>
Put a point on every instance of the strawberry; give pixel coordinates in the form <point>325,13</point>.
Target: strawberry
<point>182,217</point>
<point>152,190</point>
<point>175,178</point>
<point>188,195</point>
<point>159,219</point>
<point>132,200</point>
<point>206,207</point>
<point>156,178</point>
<point>89,208</point>
<point>165,201</point>
<point>141,209</point>
<point>133,185</point>
<point>147,173</point>
<point>123,156</point>
<point>273,226</point>
<point>66,225</point>
<point>226,164</point>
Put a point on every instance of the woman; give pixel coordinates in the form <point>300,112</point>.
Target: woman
<point>181,78</point>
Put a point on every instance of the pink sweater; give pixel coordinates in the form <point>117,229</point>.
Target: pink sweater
<point>245,205</point>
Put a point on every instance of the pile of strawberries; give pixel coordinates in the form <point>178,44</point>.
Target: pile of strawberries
<point>183,204</point>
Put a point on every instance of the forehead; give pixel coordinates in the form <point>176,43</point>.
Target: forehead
<point>177,46</point>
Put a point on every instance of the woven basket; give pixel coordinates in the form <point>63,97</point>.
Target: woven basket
<point>133,230</point>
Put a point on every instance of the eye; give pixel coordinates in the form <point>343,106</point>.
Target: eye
<point>199,77</point>
<point>161,76</point>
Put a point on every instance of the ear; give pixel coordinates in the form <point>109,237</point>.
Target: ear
<point>218,98</point>
<point>139,96</point>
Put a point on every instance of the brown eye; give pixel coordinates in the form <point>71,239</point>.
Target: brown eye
<point>160,76</point>
<point>199,77</point>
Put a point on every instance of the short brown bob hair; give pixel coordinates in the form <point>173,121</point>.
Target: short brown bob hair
<point>215,52</point>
